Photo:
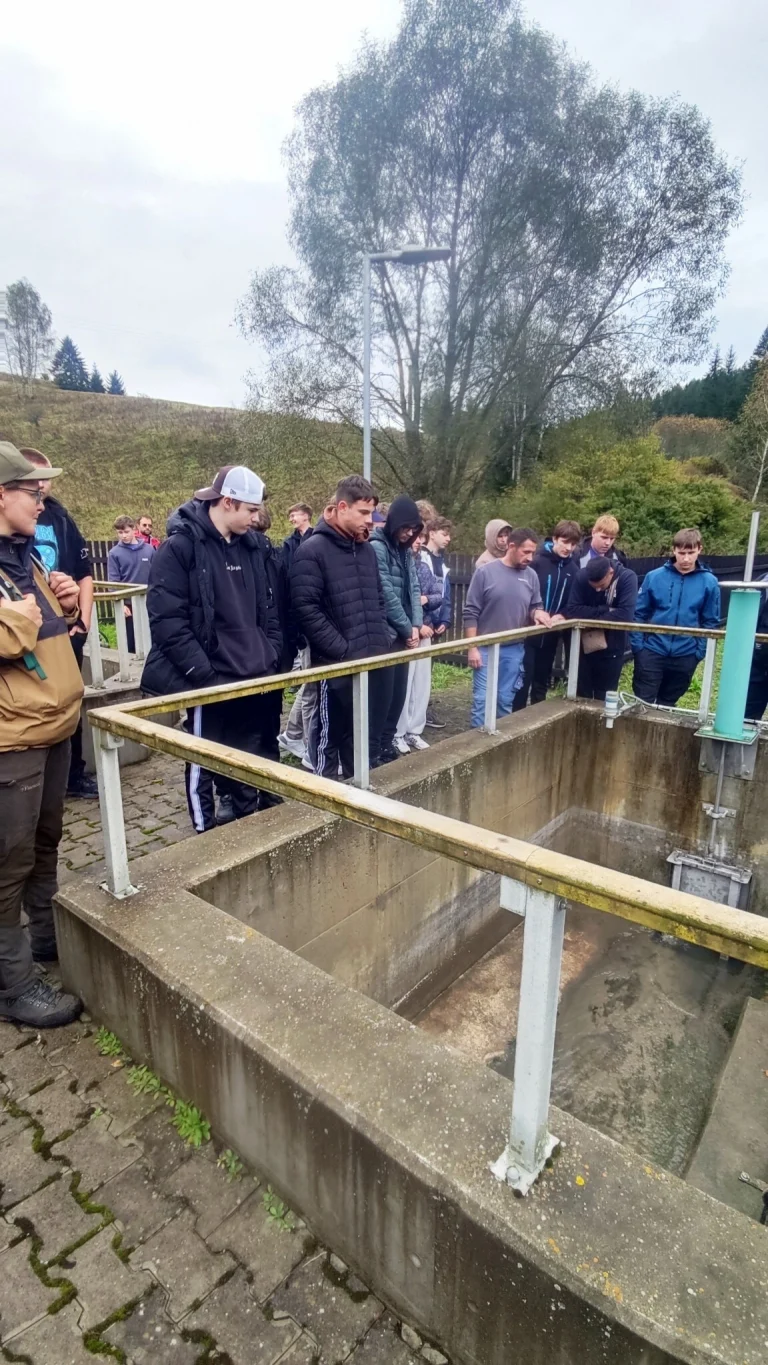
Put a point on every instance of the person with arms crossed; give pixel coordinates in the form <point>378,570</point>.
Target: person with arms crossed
<point>681,593</point>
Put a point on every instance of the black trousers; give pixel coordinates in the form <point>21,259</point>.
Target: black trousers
<point>333,740</point>
<point>249,723</point>
<point>662,678</point>
<point>537,670</point>
<point>399,686</point>
<point>32,786</point>
<point>77,762</point>
<point>599,673</point>
<point>757,693</point>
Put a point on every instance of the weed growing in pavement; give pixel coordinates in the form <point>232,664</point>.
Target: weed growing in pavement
<point>145,1082</point>
<point>190,1124</point>
<point>109,1044</point>
<point>278,1211</point>
<point>230,1162</point>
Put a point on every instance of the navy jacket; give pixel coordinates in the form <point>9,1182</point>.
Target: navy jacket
<point>671,598</point>
<point>337,597</point>
<point>556,577</point>
<point>212,608</point>
<point>430,587</point>
<point>585,603</point>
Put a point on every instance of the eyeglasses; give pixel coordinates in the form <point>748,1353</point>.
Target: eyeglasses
<point>35,493</point>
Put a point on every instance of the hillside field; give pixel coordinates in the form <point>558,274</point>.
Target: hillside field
<point>139,455</point>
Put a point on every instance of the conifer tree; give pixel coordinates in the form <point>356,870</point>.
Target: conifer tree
<point>115,383</point>
<point>96,383</point>
<point>68,368</point>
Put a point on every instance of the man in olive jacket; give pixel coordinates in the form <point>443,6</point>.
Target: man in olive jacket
<point>402,602</point>
<point>40,695</point>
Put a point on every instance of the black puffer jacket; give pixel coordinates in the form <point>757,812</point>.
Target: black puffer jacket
<point>337,597</point>
<point>182,603</point>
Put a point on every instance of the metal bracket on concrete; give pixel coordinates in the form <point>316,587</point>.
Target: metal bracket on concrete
<point>530,1143</point>
<point>740,758</point>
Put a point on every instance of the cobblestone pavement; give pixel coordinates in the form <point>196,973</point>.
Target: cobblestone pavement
<point>118,1239</point>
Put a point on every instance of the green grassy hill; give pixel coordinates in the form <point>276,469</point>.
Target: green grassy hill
<point>139,455</point>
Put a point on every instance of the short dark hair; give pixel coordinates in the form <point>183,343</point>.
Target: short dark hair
<point>355,489</point>
<point>597,568</point>
<point>519,534</point>
<point>301,507</point>
<point>567,530</point>
<point>689,538</point>
<point>123,523</point>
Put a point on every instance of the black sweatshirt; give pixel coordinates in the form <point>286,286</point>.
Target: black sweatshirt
<point>587,604</point>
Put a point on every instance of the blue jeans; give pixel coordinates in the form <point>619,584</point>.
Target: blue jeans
<point>510,678</point>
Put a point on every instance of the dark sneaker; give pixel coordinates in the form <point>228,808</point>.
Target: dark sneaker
<point>433,722</point>
<point>84,788</point>
<point>41,1006</point>
<point>226,812</point>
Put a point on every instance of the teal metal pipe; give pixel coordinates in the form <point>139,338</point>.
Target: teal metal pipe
<point>740,628</point>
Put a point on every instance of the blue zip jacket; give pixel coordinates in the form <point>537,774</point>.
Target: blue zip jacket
<point>671,598</point>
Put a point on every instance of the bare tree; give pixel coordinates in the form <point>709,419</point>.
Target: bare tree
<point>28,338</point>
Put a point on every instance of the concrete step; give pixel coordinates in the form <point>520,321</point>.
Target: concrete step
<point>735,1137</point>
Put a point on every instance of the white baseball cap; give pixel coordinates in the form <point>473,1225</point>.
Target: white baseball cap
<point>233,481</point>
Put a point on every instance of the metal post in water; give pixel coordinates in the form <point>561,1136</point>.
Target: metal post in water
<point>492,689</point>
<point>573,664</point>
<point>530,1141</point>
<point>360,729</point>
<point>106,750</point>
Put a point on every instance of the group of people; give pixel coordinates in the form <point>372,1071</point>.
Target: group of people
<point>225,604</point>
<point>574,577</point>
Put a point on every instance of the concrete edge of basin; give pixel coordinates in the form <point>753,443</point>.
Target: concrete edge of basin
<point>382,1138</point>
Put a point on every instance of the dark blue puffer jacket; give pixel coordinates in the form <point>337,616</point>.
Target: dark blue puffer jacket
<point>671,598</point>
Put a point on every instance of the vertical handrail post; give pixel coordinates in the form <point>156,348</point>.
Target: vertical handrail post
<point>121,630</point>
<point>362,776</point>
<point>137,612</point>
<point>573,664</point>
<point>94,650</point>
<point>106,750</point>
<point>530,1141</point>
<point>492,690</point>
<point>705,700</point>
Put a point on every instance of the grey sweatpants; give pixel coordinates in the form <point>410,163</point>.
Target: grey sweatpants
<point>32,787</point>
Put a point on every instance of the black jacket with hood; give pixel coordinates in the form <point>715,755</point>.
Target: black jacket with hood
<point>397,567</point>
<point>615,603</point>
<point>337,597</point>
<point>555,575</point>
<point>212,608</point>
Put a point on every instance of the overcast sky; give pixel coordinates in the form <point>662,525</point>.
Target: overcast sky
<point>140,171</point>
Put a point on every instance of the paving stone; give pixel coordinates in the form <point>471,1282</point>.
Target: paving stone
<point>85,1062</point>
<point>22,1171</point>
<point>304,1352</point>
<point>57,1109</point>
<point>182,1263</point>
<point>433,1356</point>
<point>56,1217</point>
<point>25,1297</point>
<point>162,1147</point>
<point>8,1233</point>
<point>124,1106</point>
<point>56,1039</point>
<point>104,1282</point>
<point>26,1068</point>
<point>410,1337</point>
<point>138,1204</point>
<point>54,1340</point>
<point>148,1337</point>
<point>10,1125</point>
<point>326,1309</point>
<point>208,1192</point>
<point>96,1154</point>
<point>10,1037</point>
<point>268,1251</point>
<point>383,1346</point>
<point>238,1326</point>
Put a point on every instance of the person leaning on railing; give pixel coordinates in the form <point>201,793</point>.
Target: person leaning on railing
<point>40,696</point>
<point>602,591</point>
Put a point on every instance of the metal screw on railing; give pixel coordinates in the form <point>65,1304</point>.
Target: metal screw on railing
<point>490,722</point>
<point>107,755</point>
<point>362,777</point>
<point>530,1142</point>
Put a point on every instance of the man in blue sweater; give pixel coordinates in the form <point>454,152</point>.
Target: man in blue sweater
<point>129,562</point>
<point>681,593</point>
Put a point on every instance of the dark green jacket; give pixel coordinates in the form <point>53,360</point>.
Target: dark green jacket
<point>400,583</point>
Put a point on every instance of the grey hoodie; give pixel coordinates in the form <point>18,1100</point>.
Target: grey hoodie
<point>130,563</point>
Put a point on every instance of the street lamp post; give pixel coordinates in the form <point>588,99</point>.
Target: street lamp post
<point>404,255</point>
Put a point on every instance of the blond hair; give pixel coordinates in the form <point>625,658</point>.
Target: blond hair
<point>606,523</point>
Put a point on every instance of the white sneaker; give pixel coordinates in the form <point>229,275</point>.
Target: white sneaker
<point>416,742</point>
<point>400,745</point>
<point>292,746</point>
<point>305,763</point>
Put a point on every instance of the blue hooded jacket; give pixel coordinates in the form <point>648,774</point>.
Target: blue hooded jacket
<point>671,598</point>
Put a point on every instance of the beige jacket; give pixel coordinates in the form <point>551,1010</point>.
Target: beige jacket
<point>37,712</point>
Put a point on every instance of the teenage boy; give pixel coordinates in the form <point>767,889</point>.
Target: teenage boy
<point>40,694</point>
<point>61,547</point>
<point>413,717</point>
<point>496,542</point>
<point>392,544</point>
<point>681,593</point>
<point>296,736</point>
<point>603,591</point>
<point>129,562</point>
<point>144,532</point>
<point>214,620</point>
<point>601,543</point>
<point>439,532</point>
<point>300,517</point>
<point>337,597</point>
<point>556,568</point>
<point>503,595</point>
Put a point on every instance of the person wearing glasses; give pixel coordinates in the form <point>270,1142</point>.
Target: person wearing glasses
<point>40,695</point>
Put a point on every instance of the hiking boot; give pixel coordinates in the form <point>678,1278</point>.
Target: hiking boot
<point>83,788</point>
<point>41,1006</point>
